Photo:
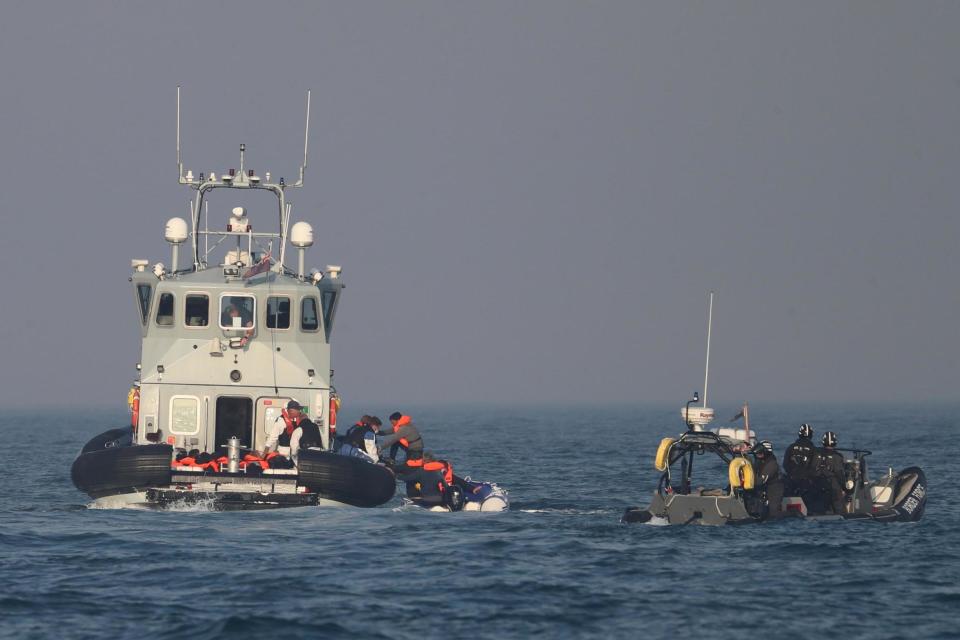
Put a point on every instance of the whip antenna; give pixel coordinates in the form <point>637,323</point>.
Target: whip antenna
<point>706,374</point>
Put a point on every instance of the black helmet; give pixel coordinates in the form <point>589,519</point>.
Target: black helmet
<point>765,446</point>
<point>805,431</point>
<point>829,439</point>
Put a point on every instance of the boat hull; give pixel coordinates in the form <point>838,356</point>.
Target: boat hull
<point>906,503</point>
<point>112,471</point>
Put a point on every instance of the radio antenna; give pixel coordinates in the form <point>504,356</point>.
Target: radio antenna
<point>179,161</point>
<point>706,375</point>
<point>306,140</point>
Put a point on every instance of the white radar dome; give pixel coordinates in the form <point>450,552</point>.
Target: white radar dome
<point>301,235</point>
<point>176,230</point>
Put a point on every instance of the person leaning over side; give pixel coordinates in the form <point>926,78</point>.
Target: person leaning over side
<point>363,436</point>
<point>405,435</point>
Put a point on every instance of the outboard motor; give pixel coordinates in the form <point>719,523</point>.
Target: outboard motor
<point>454,497</point>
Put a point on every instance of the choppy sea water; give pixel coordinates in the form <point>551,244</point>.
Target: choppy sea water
<point>559,564</point>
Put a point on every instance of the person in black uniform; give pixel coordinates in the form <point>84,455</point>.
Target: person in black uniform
<point>769,485</point>
<point>799,463</point>
<point>830,474</point>
<point>363,436</point>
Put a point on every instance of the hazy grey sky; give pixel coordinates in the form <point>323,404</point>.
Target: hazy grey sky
<point>530,200</point>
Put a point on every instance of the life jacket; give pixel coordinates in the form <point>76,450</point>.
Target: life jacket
<point>440,465</point>
<point>263,462</point>
<point>310,435</point>
<point>402,422</point>
<point>189,461</point>
<point>355,435</point>
<point>284,439</point>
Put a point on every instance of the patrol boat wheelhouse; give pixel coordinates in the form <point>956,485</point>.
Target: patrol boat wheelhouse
<point>228,340</point>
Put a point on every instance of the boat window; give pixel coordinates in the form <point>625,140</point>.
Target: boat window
<point>234,418</point>
<point>328,298</point>
<point>278,312</point>
<point>184,415</point>
<point>165,310</point>
<point>308,315</point>
<point>237,312</point>
<point>143,296</point>
<point>197,310</point>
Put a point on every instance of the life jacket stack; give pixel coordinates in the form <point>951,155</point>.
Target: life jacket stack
<point>249,462</point>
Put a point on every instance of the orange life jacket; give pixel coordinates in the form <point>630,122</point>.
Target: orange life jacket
<point>404,420</point>
<point>191,462</point>
<point>291,425</point>
<point>440,465</point>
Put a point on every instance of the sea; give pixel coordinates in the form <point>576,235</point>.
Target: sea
<point>558,564</point>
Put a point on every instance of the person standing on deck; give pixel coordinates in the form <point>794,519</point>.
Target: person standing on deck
<point>291,430</point>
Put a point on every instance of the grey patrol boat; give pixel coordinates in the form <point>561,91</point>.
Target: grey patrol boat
<point>229,338</point>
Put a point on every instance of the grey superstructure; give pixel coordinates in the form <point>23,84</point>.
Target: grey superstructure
<point>206,376</point>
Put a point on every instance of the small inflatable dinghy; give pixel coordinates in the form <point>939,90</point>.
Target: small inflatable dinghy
<point>110,468</point>
<point>463,494</point>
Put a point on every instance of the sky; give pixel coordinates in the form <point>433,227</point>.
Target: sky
<point>530,200</point>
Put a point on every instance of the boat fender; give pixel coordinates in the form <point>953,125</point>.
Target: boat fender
<point>741,474</point>
<point>663,454</point>
<point>133,399</point>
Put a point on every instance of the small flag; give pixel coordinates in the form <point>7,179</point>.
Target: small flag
<point>260,267</point>
<point>737,417</point>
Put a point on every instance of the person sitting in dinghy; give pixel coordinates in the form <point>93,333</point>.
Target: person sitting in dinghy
<point>435,484</point>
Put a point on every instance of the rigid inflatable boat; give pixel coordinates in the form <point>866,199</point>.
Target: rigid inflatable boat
<point>899,497</point>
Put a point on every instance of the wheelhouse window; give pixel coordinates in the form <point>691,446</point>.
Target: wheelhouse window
<point>165,310</point>
<point>143,297</point>
<point>329,299</point>
<point>197,311</point>
<point>278,312</point>
<point>237,311</point>
<point>309,320</point>
<point>184,415</point>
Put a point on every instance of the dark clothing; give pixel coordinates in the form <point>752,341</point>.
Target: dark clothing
<point>799,461</point>
<point>829,478</point>
<point>355,435</point>
<point>800,465</point>
<point>310,436</point>
<point>769,484</point>
<point>407,436</point>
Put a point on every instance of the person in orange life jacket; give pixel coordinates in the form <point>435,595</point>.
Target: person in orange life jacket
<point>406,435</point>
<point>293,430</point>
<point>431,481</point>
<point>363,436</point>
